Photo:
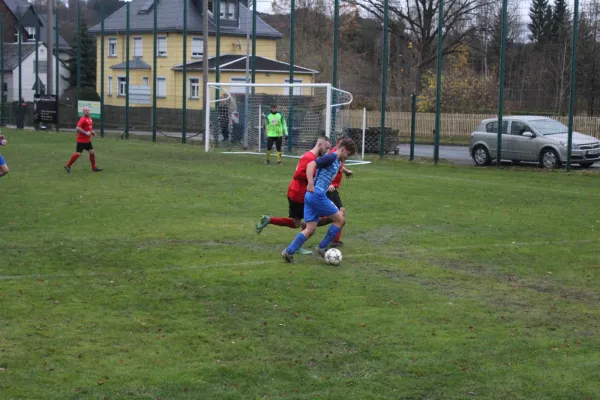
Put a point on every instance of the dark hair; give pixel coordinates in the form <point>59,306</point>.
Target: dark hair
<point>348,144</point>
<point>273,105</point>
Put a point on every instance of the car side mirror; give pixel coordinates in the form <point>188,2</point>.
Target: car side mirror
<point>528,134</point>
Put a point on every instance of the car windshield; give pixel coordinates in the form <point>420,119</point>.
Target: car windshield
<point>549,126</point>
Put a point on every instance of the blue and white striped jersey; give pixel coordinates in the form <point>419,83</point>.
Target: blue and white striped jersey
<point>327,167</point>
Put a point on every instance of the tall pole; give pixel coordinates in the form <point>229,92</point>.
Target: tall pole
<point>438,102</point>
<point>334,80</point>
<point>127,70</point>
<point>56,59</point>
<point>184,77</point>
<point>102,70</point>
<point>254,41</point>
<point>218,47</point>
<point>205,105</point>
<point>246,95</point>
<point>19,50</point>
<point>1,72</point>
<point>154,66</point>
<point>292,43</point>
<point>501,83</point>
<point>572,100</point>
<point>37,55</point>
<point>79,52</point>
<point>384,68</point>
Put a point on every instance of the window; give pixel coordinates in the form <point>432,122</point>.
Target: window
<point>122,86</point>
<point>194,88</point>
<point>238,89</point>
<point>492,127</point>
<point>517,128</point>
<point>297,89</point>
<point>161,87</point>
<point>228,10</point>
<point>138,48</point>
<point>42,66</point>
<point>211,7</point>
<point>197,47</point>
<point>161,46</point>
<point>145,81</point>
<point>109,86</point>
<point>30,33</point>
<point>112,47</point>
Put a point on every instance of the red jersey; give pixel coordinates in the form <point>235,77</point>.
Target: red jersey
<point>297,188</point>
<point>337,179</point>
<point>84,123</point>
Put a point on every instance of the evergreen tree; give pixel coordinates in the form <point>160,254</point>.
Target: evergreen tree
<point>88,59</point>
<point>560,20</point>
<point>540,13</point>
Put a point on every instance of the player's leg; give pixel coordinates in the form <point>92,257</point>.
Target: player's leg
<point>325,207</point>
<point>78,150</point>
<point>296,213</point>
<point>334,196</point>
<point>311,217</point>
<point>270,141</point>
<point>93,158</point>
<point>278,143</point>
<point>3,167</point>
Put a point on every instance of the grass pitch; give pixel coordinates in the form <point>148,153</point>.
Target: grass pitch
<point>147,280</point>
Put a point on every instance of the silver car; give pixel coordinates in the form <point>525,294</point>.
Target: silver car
<point>532,139</point>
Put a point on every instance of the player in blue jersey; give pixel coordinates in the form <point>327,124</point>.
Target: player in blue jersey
<point>3,166</point>
<point>316,203</point>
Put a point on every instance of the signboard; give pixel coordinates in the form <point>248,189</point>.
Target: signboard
<point>139,94</point>
<point>44,108</point>
<point>94,107</point>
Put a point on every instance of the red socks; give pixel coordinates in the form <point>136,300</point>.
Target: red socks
<point>74,158</point>
<point>339,235</point>
<point>93,160</point>
<point>283,222</point>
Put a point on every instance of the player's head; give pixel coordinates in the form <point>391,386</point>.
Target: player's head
<point>323,145</point>
<point>86,111</point>
<point>346,148</point>
<point>273,108</point>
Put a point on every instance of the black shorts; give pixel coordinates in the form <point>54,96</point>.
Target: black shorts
<point>296,209</point>
<point>84,146</point>
<point>335,198</point>
<point>277,140</point>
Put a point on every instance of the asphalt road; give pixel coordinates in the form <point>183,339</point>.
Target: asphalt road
<point>458,155</point>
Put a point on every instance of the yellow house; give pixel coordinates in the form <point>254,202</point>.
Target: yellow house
<point>235,22</point>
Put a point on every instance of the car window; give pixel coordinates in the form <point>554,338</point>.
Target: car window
<point>549,126</point>
<point>492,127</point>
<point>518,128</point>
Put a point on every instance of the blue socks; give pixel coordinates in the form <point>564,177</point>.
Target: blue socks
<point>298,241</point>
<point>332,232</point>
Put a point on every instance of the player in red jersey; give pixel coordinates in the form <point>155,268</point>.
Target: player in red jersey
<point>84,141</point>
<point>334,195</point>
<point>296,191</point>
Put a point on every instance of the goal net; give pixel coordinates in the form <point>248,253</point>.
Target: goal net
<point>238,114</point>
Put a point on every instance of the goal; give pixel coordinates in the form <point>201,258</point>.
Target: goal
<point>238,111</point>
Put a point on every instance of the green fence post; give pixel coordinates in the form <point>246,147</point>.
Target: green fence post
<point>101,71</point>
<point>19,50</point>
<point>78,52</point>
<point>501,82</point>
<point>334,83</point>
<point>413,125</point>
<point>184,109</point>
<point>37,55</point>
<point>154,65</point>
<point>384,68</point>
<point>438,102</point>
<point>254,42</point>
<point>291,110</point>
<point>572,99</point>
<point>127,71</point>
<point>218,48</point>
<point>56,66</point>
<point>1,72</point>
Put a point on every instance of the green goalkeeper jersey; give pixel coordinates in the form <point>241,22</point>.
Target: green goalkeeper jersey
<point>276,126</point>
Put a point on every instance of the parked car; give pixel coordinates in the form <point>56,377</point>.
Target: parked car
<point>532,139</point>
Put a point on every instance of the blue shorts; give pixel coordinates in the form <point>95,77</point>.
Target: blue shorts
<point>2,162</point>
<point>317,205</point>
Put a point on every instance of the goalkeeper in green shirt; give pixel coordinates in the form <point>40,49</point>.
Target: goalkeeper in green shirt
<point>275,127</point>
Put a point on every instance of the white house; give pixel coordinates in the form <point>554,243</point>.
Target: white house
<point>28,82</point>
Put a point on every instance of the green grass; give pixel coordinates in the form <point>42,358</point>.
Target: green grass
<point>147,280</point>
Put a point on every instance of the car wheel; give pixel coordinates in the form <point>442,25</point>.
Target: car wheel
<point>586,164</point>
<point>549,159</point>
<point>481,156</point>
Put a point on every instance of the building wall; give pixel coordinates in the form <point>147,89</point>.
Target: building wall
<point>28,73</point>
<point>10,24</point>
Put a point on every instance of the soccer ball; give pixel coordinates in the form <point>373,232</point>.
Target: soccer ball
<point>333,257</point>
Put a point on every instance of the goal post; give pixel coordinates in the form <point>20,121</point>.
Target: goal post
<point>236,118</point>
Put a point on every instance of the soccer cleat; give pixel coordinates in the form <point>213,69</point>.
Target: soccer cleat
<point>68,169</point>
<point>321,251</point>
<point>279,163</point>
<point>260,225</point>
<point>336,243</point>
<point>267,162</point>
<point>97,169</point>
<point>303,251</point>
<point>287,257</point>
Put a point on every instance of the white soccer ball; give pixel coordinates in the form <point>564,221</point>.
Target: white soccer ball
<point>333,257</point>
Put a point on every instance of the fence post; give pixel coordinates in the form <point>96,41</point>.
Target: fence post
<point>37,56</point>
<point>384,77</point>
<point>254,43</point>
<point>78,53</point>
<point>572,100</point>
<point>102,71</point>
<point>184,77</point>
<point>57,65</point>
<point>292,43</point>
<point>1,72</point>
<point>127,71</point>
<point>154,74</point>
<point>438,102</point>
<point>413,125</point>
<point>334,80</point>
<point>501,83</point>
<point>19,50</point>
<point>218,47</point>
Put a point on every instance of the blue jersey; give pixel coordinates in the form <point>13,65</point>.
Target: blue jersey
<point>327,168</point>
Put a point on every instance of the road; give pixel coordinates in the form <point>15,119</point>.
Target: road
<point>458,155</point>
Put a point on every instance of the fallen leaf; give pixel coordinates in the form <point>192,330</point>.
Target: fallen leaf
<point>308,317</point>
<point>363,324</point>
<point>186,390</point>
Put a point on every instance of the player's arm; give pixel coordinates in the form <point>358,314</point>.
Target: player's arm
<point>80,129</point>
<point>310,176</point>
<point>285,130</point>
<point>300,173</point>
<point>347,172</point>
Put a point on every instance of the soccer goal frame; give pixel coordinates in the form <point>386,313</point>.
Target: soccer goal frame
<point>213,89</point>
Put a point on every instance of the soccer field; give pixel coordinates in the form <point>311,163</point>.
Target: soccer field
<point>148,281</point>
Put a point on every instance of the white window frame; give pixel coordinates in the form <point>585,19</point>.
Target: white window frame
<point>297,89</point>
<point>140,40</point>
<point>158,51</point>
<point>230,10</point>
<point>200,53</point>
<point>194,84</point>
<point>110,86</point>
<point>119,81</point>
<point>238,89</point>
<point>30,33</point>
<point>110,42</point>
<point>145,81</point>
<point>161,78</point>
